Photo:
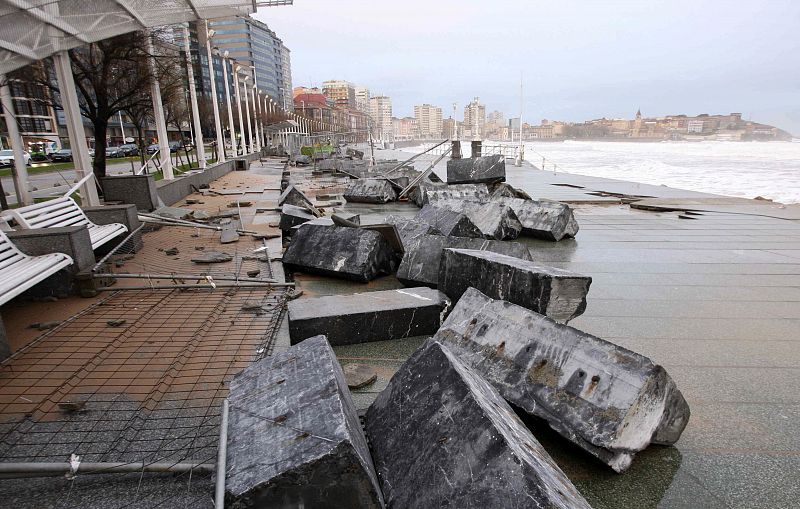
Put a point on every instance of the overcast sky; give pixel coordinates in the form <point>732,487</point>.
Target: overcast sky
<point>579,59</point>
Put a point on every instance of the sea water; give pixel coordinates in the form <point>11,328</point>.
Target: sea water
<point>743,169</point>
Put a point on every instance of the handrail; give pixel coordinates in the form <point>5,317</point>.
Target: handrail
<point>146,163</point>
<point>79,184</point>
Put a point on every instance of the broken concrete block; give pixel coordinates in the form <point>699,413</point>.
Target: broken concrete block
<point>353,153</point>
<point>607,400</point>
<point>503,190</point>
<point>370,191</point>
<point>488,169</point>
<point>350,253</point>
<point>296,197</point>
<point>449,222</point>
<point>423,255</point>
<point>292,215</point>
<point>213,257</point>
<point>409,228</point>
<point>549,220</point>
<point>327,221</point>
<point>174,212</point>
<point>228,235</point>
<point>495,220</point>
<point>441,436</point>
<point>365,317</point>
<point>429,192</point>
<point>301,160</point>
<point>559,294</point>
<point>294,438</point>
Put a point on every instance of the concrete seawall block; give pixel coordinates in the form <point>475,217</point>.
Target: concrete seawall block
<point>474,170</point>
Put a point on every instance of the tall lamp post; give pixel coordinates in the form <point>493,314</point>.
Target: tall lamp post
<point>247,111</point>
<point>225,62</point>
<point>238,105</point>
<point>217,123</point>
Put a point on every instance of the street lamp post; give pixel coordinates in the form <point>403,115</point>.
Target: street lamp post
<point>256,112</point>
<point>217,122</point>
<point>247,111</point>
<point>238,106</point>
<point>228,102</point>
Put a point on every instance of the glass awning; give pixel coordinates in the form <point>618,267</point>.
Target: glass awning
<point>31,30</point>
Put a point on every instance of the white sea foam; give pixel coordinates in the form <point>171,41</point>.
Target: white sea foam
<point>744,169</point>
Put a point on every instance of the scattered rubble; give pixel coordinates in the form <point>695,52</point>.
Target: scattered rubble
<point>228,235</point>
<point>213,257</point>
<point>351,253</point>
<point>409,228</point>
<point>423,254</point>
<point>503,190</point>
<point>296,197</point>
<point>253,273</point>
<point>116,323</point>
<point>548,220</point>
<point>442,436</point>
<point>429,192</point>
<point>450,222</point>
<point>294,439</point>
<point>173,251</point>
<point>474,170</point>
<point>556,293</point>
<point>349,319</point>
<point>607,400</point>
<point>359,376</point>
<point>494,220</point>
<point>292,215</point>
<point>370,191</point>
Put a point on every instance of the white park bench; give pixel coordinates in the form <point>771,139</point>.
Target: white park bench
<point>18,271</point>
<point>60,212</point>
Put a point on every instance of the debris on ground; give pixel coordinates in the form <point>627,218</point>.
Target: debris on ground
<point>116,323</point>
<point>450,222</point>
<point>213,257</point>
<point>359,376</point>
<point>494,220</point>
<point>548,220</point>
<point>370,191</point>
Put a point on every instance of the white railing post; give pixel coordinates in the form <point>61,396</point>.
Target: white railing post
<point>158,115</point>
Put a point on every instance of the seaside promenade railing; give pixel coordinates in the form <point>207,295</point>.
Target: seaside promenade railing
<point>487,149</point>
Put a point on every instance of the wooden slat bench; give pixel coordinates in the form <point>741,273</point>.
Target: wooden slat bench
<point>60,212</point>
<point>18,271</point>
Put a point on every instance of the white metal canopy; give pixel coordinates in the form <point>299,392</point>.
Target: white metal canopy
<point>31,30</point>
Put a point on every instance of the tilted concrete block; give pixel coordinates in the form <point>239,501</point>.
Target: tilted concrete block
<point>292,216</point>
<point>476,170</point>
<point>557,293</point>
<point>449,222</point>
<point>327,221</point>
<point>430,192</point>
<point>350,253</point>
<point>441,436</point>
<point>495,220</point>
<point>294,437</point>
<point>607,400</point>
<point>296,197</point>
<point>503,190</point>
<point>423,255</point>
<point>549,220</point>
<point>409,228</point>
<point>370,316</point>
<point>370,191</point>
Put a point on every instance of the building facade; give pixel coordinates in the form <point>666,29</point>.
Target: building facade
<point>362,99</point>
<point>381,113</point>
<point>429,120</point>
<point>343,93</point>
<point>475,119</point>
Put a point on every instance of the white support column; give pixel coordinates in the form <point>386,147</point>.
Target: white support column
<point>158,117</point>
<point>239,107</point>
<point>198,131</point>
<point>20,170</point>
<point>217,123</point>
<point>228,103</point>
<point>249,145</point>
<point>77,136</point>
<point>256,112</point>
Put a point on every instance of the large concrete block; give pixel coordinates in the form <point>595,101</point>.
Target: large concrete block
<point>495,220</point>
<point>557,293</point>
<point>370,191</point>
<point>449,222</point>
<point>294,439</point>
<point>476,170</point>
<point>430,192</point>
<point>293,196</point>
<point>5,347</point>
<point>292,216</point>
<point>549,220</point>
<point>409,228</point>
<point>441,436</point>
<point>607,400</point>
<point>350,253</point>
<point>423,255</point>
<point>123,214</point>
<point>365,317</point>
<point>139,190</point>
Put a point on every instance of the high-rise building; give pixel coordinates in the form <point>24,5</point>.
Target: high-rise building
<point>343,93</point>
<point>362,99</point>
<point>429,120</point>
<point>475,118</point>
<point>381,112</point>
<point>251,42</point>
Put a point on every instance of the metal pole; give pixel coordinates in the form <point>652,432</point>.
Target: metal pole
<point>250,141</point>
<point>20,170</point>
<point>77,136</point>
<point>222,458</point>
<point>239,106</point>
<point>214,102</point>
<point>158,116</point>
<point>121,127</point>
<point>198,131</point>
<point>256,142</point>
<point>42,469</point>
<point>228,103</point>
